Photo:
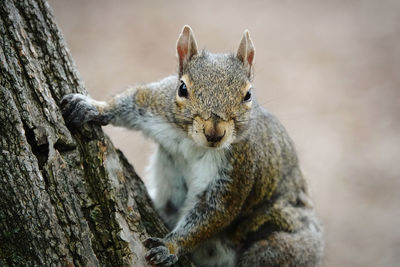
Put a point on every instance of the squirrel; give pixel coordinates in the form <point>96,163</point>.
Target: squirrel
<point>225,177</point>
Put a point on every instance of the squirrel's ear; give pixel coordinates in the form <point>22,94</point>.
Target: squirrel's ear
<point>246,52</point>
<point>186,47</point>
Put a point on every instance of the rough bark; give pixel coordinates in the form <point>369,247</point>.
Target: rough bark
<point>68,197</point>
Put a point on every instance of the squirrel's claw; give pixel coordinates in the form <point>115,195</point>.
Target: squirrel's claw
<point>158,253</point>
<point>77,109</point>
<point>160,256</point>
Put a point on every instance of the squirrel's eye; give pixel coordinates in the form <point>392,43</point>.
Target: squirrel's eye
<point>247,97</point>
<point>182,91</point>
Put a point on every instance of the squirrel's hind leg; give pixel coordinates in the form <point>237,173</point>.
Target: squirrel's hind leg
<point>301,248</point>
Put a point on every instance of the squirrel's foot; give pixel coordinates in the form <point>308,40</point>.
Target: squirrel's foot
<point>158,254</point>
<point>78,109</point>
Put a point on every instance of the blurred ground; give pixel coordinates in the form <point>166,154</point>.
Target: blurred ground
<point>330,70</point>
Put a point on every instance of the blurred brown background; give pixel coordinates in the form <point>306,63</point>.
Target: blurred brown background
<point>330,70</point>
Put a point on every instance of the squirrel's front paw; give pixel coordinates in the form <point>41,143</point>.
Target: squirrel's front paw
<point>158,254</point>
<point>78,109</point>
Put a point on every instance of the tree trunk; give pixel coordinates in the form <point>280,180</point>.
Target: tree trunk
<point>67,197</point>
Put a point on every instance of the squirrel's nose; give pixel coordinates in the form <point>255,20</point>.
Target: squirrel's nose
<point>213,136</point>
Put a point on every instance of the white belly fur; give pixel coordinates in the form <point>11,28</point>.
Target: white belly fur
<point>179,171</point>
<point>181,177</point>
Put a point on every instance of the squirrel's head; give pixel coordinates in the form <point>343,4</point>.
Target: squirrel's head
<point>213,94</point>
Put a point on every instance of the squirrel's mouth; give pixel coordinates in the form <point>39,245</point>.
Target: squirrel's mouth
<point>214,138</point>
<point>211,133</point>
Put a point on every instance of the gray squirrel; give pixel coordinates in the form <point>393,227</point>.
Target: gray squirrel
<point>225,177</point>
